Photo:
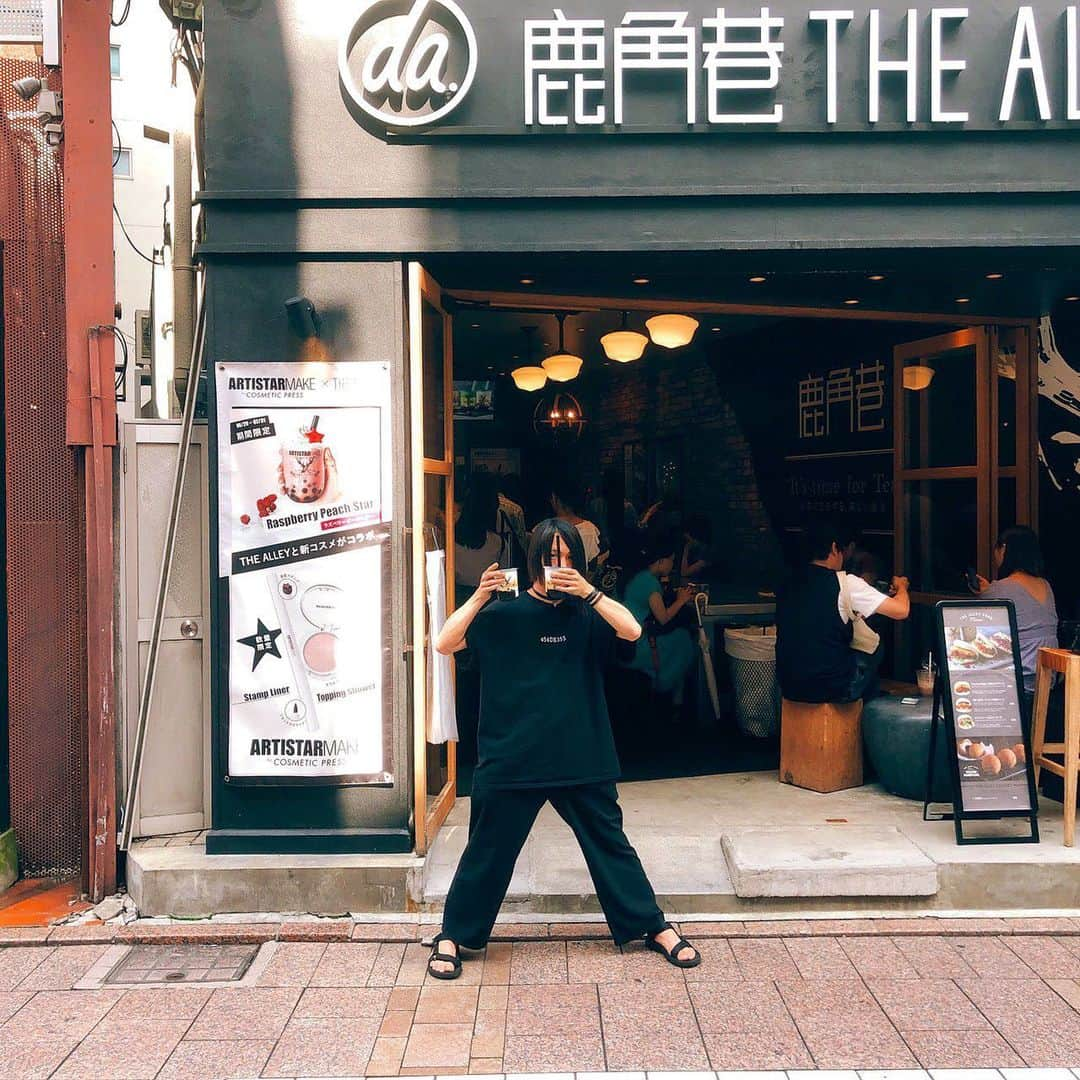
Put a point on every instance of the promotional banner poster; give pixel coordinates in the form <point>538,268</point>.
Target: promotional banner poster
<point>304,512</point>
<point>982,684</point>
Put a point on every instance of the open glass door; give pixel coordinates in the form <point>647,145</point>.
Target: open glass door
<point>963,463</point>
<point>432,473</point>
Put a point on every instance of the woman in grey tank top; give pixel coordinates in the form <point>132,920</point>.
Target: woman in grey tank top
<point>1019,564</point>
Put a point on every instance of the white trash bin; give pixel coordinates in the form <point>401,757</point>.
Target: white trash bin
<point>751,654</point>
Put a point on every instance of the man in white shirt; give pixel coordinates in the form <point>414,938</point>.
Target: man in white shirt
<point>816,614</point>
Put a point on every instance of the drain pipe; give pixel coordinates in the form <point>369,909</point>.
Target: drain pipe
<point>146,696</point>
<point>183,267</point>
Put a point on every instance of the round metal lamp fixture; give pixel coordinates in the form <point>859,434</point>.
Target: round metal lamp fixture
<point>624,345</point>
<point>672,331</point>
<point>559,416</point>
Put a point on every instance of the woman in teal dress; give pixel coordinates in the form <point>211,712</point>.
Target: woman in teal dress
<point>665,658</point>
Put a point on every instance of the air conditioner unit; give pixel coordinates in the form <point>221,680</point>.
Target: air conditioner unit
<point>144,340</point>
<point>189,12</point>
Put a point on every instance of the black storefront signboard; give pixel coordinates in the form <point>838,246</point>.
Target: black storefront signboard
<point>979,697</point>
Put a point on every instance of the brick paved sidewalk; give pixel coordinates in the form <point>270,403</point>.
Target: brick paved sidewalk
<point>908,994</point>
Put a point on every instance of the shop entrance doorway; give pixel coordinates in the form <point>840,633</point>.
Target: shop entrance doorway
<point>770,414</point>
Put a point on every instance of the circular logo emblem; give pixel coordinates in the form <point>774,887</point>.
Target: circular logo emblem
<point>408,63</point>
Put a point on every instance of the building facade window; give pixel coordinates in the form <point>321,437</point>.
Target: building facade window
<point>122,167</point>
<point>114,61</point>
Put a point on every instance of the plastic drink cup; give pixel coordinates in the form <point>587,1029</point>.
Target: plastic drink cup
<point>509,589</point>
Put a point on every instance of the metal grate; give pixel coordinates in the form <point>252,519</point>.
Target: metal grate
<point>171,964</point>
<point>46,659</point>
<point>20,20</point>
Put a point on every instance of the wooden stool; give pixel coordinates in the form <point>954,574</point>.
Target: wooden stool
<point>1068,664</point>
<point>821,746</point>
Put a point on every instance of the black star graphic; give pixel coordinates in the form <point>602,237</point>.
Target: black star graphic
<point>263,642</point>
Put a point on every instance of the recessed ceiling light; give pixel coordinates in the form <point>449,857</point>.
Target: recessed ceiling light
<point>1071,299</point>
<point>963,299</point>
<point>528,281</point>
<point>851,303</point>
<point>475,325</point>
<point>994,277</point>
<point>641,281</point>
<point>876,277</point>
<point>759,279</point>
<point>716,329</point>
<point>581,329</point>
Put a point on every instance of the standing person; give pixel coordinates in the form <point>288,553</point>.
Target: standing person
<point>476,544</point>
<point>568,504</point>
<point>815,622</point>
<point>614,514</point>
<point>511,521</point>
<point>664,657</point>
<point>545,737</point>
<point>1018,563</point>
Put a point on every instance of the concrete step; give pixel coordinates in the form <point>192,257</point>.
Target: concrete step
<point>827,861</point>
<point>185,881</point>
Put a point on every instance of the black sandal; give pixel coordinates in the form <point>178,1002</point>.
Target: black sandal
<point>672,956</point>
<point>446,958</point>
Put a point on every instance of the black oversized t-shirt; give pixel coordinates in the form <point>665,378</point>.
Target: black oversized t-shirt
<point>543,715</point>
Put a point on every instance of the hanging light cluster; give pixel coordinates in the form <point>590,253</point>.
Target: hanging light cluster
<point>669,331</point>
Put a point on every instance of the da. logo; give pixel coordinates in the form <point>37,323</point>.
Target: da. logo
<point>408,63</point>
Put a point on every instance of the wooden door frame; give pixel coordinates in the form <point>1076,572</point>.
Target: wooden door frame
<point>422,287</point>
<point>979,337</point>
<point>987,472</point>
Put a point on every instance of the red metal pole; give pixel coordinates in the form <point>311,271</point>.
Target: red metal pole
<point>91,402</point>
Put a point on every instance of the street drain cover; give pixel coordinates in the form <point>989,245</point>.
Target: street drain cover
<point>172,964</point>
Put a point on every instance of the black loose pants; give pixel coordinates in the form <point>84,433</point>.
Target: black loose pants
<point>499,825</point>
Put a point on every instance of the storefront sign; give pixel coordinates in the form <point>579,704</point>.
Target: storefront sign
<point>408,65</point>
<point>980,665</point>
<point>304,512</point>
<point>840,440</point>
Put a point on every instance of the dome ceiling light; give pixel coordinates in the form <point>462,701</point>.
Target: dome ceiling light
<point>918,377</point>
<point>529,377</point>
<point>672,331</point>
<point>563,366</point>
<point>624,345</point>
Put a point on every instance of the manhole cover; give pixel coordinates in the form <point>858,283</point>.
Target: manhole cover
<point>173,964</point>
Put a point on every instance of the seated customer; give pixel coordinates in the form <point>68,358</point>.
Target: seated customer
<point>696,559</point>
<point>1018,563</point>
<point>815,614</point>
<point>664,657</point>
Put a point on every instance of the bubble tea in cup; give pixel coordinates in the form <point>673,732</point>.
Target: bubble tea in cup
<point>508,590</point>
<point>303,465</point>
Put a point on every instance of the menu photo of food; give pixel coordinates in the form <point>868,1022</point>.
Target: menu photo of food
<point>978,647</point>
<point>990,759</point>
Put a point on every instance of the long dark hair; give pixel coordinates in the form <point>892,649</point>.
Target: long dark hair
<point>478,511</point>
<point>543,536</point>
<point>1022,552</point>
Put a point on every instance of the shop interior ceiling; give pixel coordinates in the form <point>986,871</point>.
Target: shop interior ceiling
<point>489,341</point>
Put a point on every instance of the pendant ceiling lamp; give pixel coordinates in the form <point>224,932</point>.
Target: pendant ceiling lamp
<point>561,417</point>
<point>529,377</point>
<point>672,331</point>
<point>563,366</point>
<point>624,345</point>
<point>918,377</point>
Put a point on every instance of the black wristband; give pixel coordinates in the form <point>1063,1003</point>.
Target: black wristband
<point>593,598</point>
